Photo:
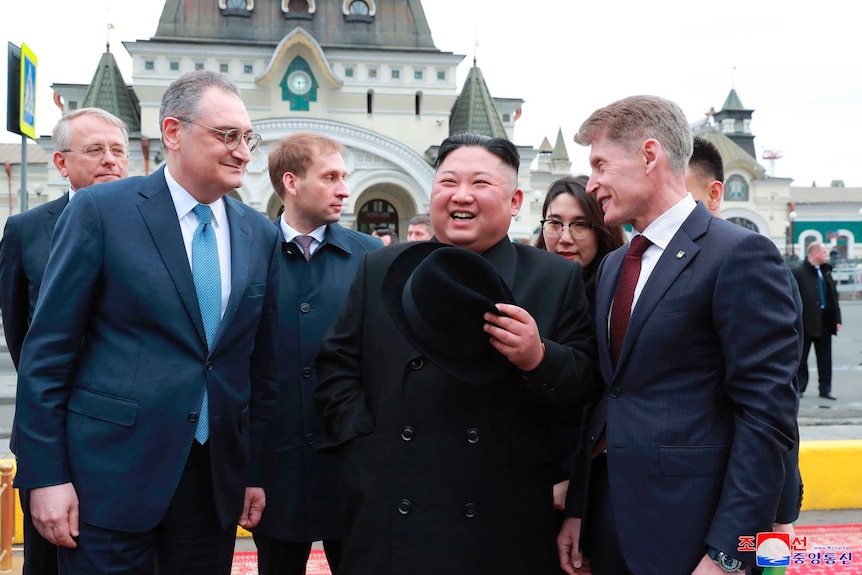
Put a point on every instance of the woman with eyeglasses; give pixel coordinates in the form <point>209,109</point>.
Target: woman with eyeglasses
<point>573,225</point>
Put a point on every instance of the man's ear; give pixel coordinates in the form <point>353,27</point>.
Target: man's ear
<point>517,200</point>
<point>60,164</point>
<point>716,191</point>
<point>289,181</point>
<point>651,151</point>
<point>170,133</point>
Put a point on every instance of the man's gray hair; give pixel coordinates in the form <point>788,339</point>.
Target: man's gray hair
<point>183,97</point>
<point>61,136</point>
<point>632,121</point>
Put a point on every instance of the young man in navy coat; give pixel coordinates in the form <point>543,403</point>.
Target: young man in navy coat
<point>148,380</point>
<point>318,261</point>
<point>91,146</point>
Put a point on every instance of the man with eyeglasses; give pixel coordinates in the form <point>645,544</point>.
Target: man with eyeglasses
<point>24,254</point>
<point>148,379</point>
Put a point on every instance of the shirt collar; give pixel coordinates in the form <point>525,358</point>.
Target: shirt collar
<point>290,233</point>
<point>664,227</point>
<point>185,203</point>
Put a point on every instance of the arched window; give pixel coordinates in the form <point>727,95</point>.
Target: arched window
<point>359,10</point>
<point>418,103</point>
<point>236,7</point>
<point>375,214</point>
<point>736,189</point>
<point>745,223</point>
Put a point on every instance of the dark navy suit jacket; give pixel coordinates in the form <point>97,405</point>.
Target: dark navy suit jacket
<point>23,257</point>
<point>113,370</point>
<point>700,409</point>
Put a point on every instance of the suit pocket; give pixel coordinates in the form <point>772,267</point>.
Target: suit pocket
<point>694,460</point>
<point>255,290</point>
<point>104,407</point>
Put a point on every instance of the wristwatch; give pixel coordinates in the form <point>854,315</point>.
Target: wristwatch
<point>727,563</point>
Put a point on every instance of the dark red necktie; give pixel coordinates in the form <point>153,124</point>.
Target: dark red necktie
<point>625,292</point>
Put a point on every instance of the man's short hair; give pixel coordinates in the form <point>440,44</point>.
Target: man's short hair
<point>706,160</point>
<point>183,97</point>
<point>632,121</point>
<point>500,147</point>
<point>421,219</point>
<point>61,136</point>
<point>384,231</point>
<point>295,153</point>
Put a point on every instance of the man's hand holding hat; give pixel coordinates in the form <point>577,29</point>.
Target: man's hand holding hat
<point>514,334</point>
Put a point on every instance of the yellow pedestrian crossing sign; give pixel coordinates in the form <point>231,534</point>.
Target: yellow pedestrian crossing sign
<point>27,117</point>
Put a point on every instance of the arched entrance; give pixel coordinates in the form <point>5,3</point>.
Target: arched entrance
<point>375,214</point>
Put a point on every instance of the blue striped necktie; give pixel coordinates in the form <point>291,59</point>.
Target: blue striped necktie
<point>207,276</point>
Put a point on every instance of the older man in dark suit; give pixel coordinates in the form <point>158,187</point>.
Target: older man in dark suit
<point>148,379</point>
<point>446,460</point>
<point>697,348</point>
<point>91,146</point>
<point>319,260</point>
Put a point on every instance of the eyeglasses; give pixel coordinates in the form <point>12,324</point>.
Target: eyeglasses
<point>98,152</point>
<point>233,137</point>
<point>579,230</point>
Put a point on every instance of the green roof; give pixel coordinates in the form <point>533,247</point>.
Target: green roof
<point>109,92</point>
<point>732,102</point>
<point>474,110</point>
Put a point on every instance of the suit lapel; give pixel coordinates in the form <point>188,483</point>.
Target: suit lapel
<point>240,256</point>
<point>678,254</point>
<point>56,208</point>
<point>159,214</point>
<point>606,281</point>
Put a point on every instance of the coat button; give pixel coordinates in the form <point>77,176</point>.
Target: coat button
<point>407,433</point>
<point>405,507</point>
<point>615,392</point>
<point>193,417</point>
<point>306,372</point>
<point>472,435</point>
<point>304,307</point>
<point>309,439</point>
<point>416,363</point>
<point>470,510</point>
<point>209,366</point>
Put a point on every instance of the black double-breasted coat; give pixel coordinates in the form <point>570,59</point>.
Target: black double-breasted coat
<point>441,476</point>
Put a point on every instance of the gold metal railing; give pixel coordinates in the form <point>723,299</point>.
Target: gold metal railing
<point>7,516</point>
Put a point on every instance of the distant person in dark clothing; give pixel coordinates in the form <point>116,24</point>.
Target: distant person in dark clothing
<point>821,315</point>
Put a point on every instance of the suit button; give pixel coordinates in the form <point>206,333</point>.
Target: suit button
<point>472,435</point>
<point>304,307</point>
<point>306,372</point>
<point>193,417</point>
<point>209,366</point>
<point>405,507</point>
<point>416,363</point>
<point>309,439</point>
<point>470,510</point>
<point>408,433</point>
<point>615,392</point>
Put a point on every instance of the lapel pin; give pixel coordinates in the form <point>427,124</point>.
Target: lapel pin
<point>680,254</point>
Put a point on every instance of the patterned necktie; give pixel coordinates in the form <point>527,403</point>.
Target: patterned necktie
<point>624,294</point>
<point>305,243</point>
<point>207,276</point>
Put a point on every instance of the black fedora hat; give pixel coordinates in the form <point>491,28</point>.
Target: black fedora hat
<point>437,295</point>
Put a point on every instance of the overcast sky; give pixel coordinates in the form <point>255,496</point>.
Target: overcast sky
<point>797,65</point>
